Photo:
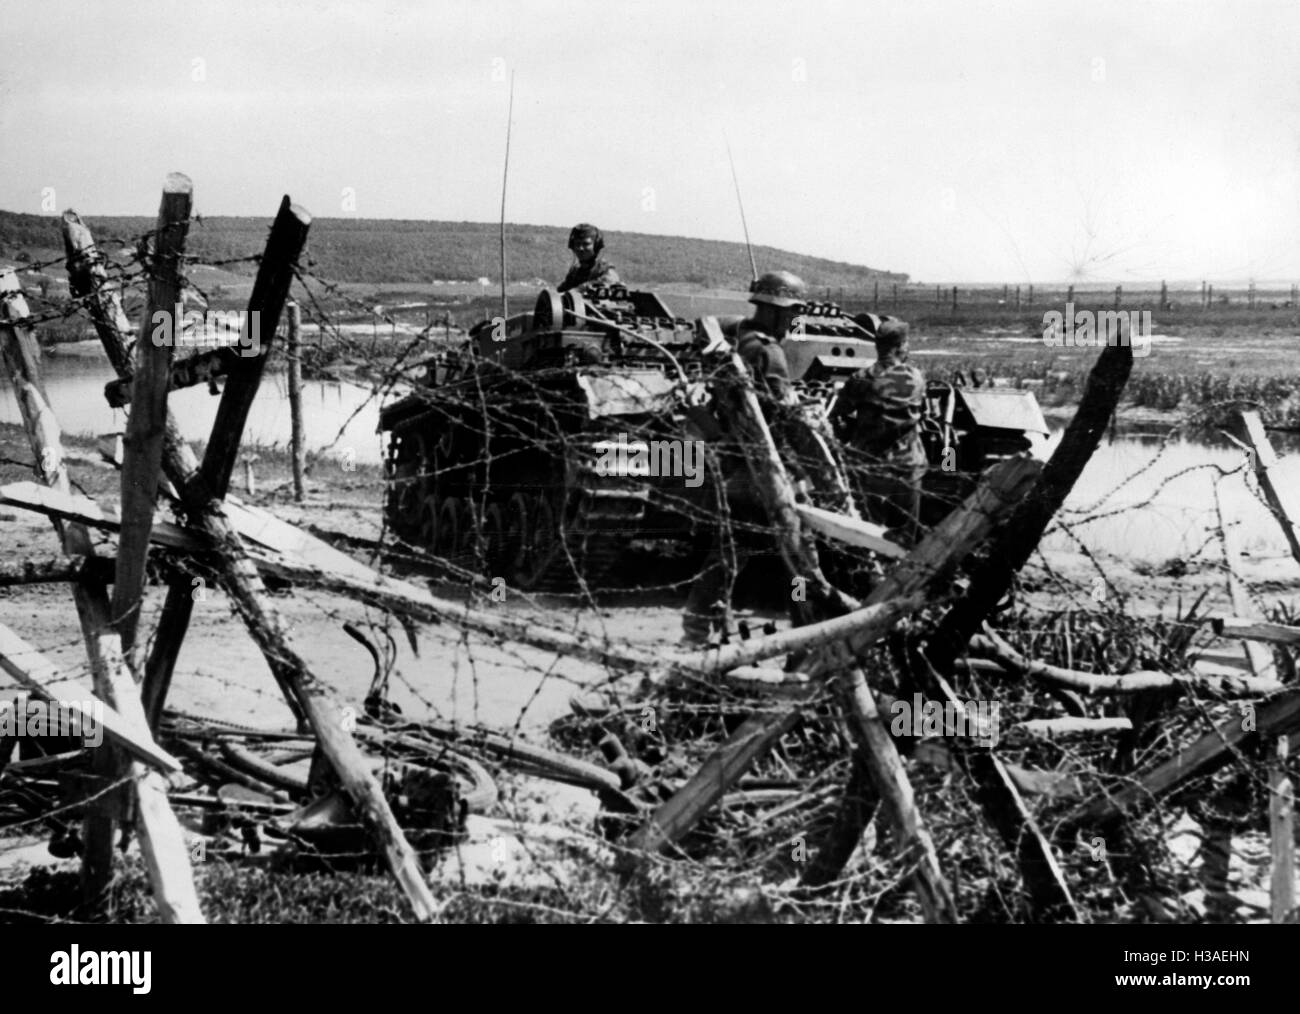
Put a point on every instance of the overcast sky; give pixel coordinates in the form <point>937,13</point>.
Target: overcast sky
<point>956,140</point>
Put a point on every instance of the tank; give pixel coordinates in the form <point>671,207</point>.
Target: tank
<point>536,451</point>
<point>554,445</point>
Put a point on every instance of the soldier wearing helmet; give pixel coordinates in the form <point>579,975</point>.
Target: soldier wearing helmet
<point>586,242</point>
<point>878,414</point>
<point>778,299</point>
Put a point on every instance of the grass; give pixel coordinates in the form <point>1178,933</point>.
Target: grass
<point>235,892</point>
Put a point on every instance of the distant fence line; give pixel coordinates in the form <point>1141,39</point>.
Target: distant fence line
<point>1020,297</point>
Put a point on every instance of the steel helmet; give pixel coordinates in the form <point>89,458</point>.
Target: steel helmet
<point>780,288</point>
<point>581,231</point>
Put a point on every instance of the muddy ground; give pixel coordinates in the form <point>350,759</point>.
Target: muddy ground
<point>451,674</point>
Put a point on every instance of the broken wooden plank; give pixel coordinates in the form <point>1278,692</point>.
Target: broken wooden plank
<point>711,780</point>
<point>1251,629</point>
<point>26,665</point>
<point>142,443</point>
<point>1280,498</point>
<point>82,511</point>
<point>850,531</point>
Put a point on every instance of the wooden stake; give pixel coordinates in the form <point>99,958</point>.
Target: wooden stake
<point>265,305</point>
<point>297,444</point>
<point>1281,821</point>
<point>1280,499</point>
<point>142,445</point>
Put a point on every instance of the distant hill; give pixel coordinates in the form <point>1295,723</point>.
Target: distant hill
<point>383,250</point>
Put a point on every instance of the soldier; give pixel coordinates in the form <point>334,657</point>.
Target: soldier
<point>878,413</point>
<point>586,243</point>
<point>778,298</point>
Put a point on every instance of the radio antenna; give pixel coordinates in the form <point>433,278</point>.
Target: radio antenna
<point>743,224</point>
<point>505,175</point>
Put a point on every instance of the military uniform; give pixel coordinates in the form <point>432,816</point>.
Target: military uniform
<point>879,412</point>
<point>766,361</point>
<point>706,606</point>
<point>599,272</point>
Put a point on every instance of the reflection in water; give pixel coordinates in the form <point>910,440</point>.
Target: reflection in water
<point>76,390</point>
<point>1149,500</point>
<point>1153,500</point>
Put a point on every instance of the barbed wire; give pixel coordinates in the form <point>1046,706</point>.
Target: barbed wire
<point>475,682</point>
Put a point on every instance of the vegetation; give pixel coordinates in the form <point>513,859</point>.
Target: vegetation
<point>384,250</point>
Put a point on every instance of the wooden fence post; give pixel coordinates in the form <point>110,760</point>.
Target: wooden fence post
<point>875,295</point>
<point>1017,297</point>
<point>1030,300</point>
<point>954,299</point>
<point>1281,822</point>
<point>1119,295</point>
<point>142,445</point>
<point>298,447</point>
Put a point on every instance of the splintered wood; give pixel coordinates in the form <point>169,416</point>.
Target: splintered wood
<point>927,613</point>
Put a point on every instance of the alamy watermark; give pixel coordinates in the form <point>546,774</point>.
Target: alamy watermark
<point>652,458</point>
<point>29,716</point>
<point>180,328</point>
<point>977,720</point>
<point>1089,329</point>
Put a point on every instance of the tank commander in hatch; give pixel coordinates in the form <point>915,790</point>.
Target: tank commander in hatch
<point>586,243</point>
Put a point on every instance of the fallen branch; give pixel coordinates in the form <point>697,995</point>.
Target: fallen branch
<point>990,644</point>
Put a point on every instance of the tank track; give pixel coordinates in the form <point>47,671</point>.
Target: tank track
<point>604,512</point>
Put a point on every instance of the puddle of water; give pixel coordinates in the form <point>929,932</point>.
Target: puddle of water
<point>1163,512</point>
<point>1166,509</point>
<point>76,389</point>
